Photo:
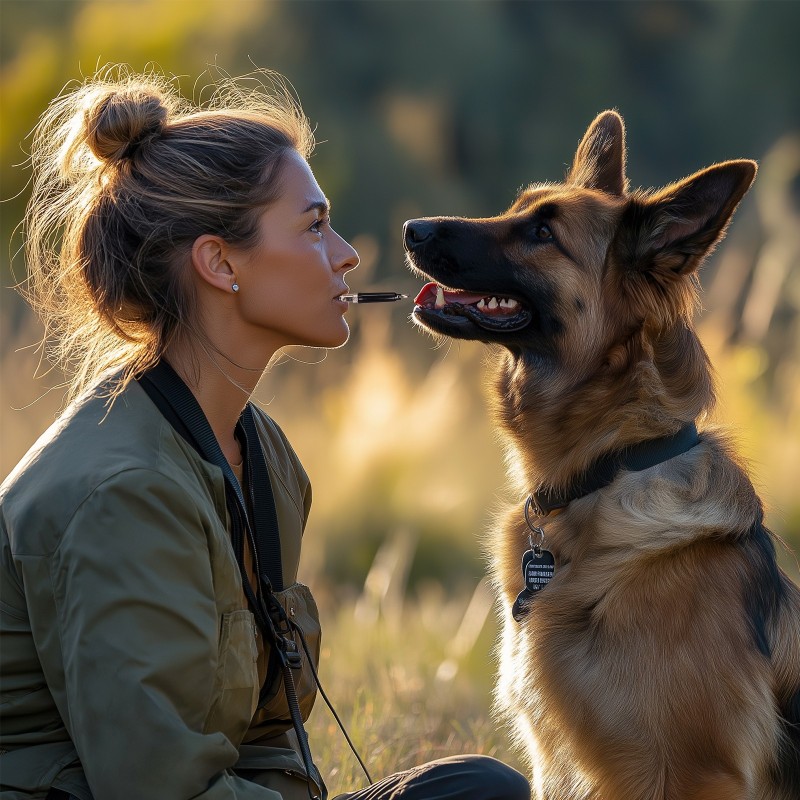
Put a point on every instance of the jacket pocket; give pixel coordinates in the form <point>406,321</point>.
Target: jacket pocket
<point>273,715</point>
<point>278,768</point>
<point>289,784</point>
<point>236,681</point>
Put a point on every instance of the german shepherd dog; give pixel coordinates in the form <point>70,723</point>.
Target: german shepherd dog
<point>650,644</point>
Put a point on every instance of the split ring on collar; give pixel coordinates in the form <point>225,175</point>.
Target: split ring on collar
<point>535,530</point>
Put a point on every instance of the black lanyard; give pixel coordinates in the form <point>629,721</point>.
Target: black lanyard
<point>257,518</point>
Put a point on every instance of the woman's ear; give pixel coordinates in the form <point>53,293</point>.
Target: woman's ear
<point>211,263</point>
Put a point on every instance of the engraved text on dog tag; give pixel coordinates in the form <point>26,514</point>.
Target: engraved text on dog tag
<point>538,567</point>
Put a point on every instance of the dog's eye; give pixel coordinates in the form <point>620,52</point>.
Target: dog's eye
<point>542,233</point>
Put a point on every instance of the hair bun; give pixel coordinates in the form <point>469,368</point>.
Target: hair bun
<point>121,120</point>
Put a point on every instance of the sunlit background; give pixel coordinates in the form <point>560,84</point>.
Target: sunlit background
<point>426,108</point>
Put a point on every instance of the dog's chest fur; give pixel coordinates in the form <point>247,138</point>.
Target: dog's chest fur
<point>622,618</point>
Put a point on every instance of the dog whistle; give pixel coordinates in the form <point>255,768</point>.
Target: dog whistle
<point>373,297</point>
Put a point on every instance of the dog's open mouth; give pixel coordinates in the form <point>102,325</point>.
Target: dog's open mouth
<point>492,312</point>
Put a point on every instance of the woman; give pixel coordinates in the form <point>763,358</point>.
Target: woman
<point>154,642</point>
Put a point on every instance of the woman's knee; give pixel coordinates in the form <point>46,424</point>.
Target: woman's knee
<point>503,782</point>
<point>490,779</point>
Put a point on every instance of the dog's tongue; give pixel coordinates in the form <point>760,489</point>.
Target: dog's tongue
<point>428,294</point>
<point>429,289</point>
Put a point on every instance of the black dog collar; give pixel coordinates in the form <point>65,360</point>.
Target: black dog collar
<point>603,471</point>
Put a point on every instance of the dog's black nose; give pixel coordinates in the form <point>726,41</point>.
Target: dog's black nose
<point>417,231</point>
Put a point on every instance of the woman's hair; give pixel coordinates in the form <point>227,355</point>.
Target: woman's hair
<point>126,175</point>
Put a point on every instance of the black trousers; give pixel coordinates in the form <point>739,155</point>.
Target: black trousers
<point>454,778</point>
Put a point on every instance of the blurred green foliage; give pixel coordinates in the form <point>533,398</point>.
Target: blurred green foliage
<point>449,107</point>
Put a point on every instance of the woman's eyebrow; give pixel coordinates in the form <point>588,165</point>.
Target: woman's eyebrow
<point>322,206</point>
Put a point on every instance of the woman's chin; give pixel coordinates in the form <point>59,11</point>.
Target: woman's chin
<point>340,340</point>
<point>331,340</point>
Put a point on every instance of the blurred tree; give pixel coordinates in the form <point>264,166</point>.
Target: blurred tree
<point>446,105</point>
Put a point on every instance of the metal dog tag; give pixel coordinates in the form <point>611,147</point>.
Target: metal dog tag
<point>538,567</point>
<point>520,607</point>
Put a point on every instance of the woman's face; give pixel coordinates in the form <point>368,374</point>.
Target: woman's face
<point>290,281</point>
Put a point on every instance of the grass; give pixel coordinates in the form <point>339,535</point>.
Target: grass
<point>412,682</point>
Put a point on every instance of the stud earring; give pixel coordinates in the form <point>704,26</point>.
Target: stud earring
<point>235,287</point>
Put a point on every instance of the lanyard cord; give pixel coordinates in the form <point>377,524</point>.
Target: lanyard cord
<point>181,409</point>
<point>176,402</point>
<point>330,706</point>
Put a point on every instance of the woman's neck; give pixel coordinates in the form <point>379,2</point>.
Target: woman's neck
<point>221,387</point>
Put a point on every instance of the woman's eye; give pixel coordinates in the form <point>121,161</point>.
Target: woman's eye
<point>542,233</point>
<point>318,226</point>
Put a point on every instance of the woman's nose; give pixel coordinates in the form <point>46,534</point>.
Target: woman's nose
<point>347,259</point>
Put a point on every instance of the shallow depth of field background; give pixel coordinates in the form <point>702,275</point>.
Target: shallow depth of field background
<point>426,108</point>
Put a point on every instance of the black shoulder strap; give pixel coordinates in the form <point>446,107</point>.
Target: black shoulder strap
<point>180,407</point>
<point>265,514</point>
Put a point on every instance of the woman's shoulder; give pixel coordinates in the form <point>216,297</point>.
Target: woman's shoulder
<point>277,448</point>
<point>280,454</point>
<point>92,442</point>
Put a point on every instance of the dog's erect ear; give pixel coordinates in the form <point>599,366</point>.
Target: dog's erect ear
<point>600,158</point>
<point>672,231</point>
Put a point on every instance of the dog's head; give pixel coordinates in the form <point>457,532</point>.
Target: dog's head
<point>572,271</point>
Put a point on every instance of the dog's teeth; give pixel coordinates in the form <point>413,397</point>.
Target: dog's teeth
<point>504,302</point>
<point>512,304</point>
<point>481,304</point>
<point>493,303</point>
<point>440,297</point>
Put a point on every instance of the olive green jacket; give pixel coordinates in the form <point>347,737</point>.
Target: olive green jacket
<point>127,652</point>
